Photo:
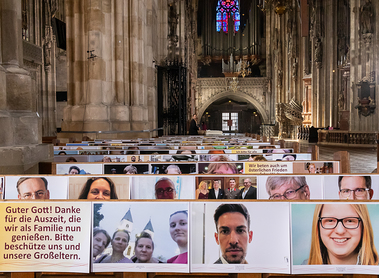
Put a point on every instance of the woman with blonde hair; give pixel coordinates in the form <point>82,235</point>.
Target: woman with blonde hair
<point>342,235</point>
<point>202,192</point>
<point>221,168</point>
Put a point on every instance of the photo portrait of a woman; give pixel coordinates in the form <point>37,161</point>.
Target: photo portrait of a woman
<point>334,238</point>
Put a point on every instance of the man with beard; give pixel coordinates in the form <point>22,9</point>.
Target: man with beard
<point>232,233</point>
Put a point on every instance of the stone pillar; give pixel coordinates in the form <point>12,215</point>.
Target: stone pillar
<point>20,148</point>
<point>151,58</point>
<point>107,86</point>
<point>138,69</point>
<point>49,117</point>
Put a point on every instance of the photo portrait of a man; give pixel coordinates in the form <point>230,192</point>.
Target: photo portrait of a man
<point>230,237</point>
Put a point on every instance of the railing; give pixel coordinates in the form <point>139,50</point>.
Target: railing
<point>268,130</point>
<point>347,138</point>
<point>303,133</point>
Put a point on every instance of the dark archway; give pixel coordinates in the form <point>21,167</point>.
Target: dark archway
<point>242,116</point>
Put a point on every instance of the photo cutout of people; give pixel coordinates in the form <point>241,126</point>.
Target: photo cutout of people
<point>232,237</point>
<point>143,237</point>
<point>219,157</point>
<point>221,187</point>
<point>126,168</point>
<point>290,187</point>
<point>291,156</point>
<point>317,167</point>
<point>219,167</point>
<point>73,158</point>
<point>36,187</point>
<point>335,238</point>
<point>84,168</point>
<point>173,169</point>
<point>99,187</point>
<point>162,187</point>
<point>351,187</point>
<point>1,188</point>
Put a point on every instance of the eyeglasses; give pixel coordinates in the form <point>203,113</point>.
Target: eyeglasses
<point>359,192</point>
<point>331,222</point>
<point>161,191</point>
<point>289,194</point>
<point>37,195</point>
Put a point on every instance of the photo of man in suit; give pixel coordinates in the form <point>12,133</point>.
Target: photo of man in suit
<point>233,191</point>
<point>248,192</point>
<point>216,192</point>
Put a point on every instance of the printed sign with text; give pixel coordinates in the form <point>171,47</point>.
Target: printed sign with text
<point>46,236</point>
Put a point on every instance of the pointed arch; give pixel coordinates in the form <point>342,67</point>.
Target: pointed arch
<point>261,110</point>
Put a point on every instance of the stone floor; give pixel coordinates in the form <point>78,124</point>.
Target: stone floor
<point>362,160</point>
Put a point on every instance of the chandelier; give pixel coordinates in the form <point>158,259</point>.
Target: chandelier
<point>233,84</point>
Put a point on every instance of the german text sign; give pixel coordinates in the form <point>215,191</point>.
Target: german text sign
<point>276,167</point>
<point>48,236</point>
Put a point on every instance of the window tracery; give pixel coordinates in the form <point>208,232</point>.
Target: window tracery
<point>227,9</point>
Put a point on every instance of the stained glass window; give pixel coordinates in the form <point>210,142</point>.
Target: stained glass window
<point>227,9</point>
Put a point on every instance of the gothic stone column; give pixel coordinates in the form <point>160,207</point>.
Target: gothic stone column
<point>107,92</point>
<point>20,139</point>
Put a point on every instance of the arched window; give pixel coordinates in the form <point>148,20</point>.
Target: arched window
<point>227,9</point>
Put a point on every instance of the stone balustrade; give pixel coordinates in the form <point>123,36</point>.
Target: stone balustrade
<point>347,138</point>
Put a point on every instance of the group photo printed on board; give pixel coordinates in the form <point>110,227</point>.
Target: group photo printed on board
<point>290,187</point>
<point>173,169</point>
<point>36,187</point>
<point>351,187</point>
<point>226,187</point>
<point>317,167</point>
<point>128,169</point>
<point>79,169</point>
<point>240,237</point>
<point>335,238</point>
<point>162,187</point>
<point>99,187</point>
<point>140,237</point>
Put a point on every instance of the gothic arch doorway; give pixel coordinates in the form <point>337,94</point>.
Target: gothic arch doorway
<point>231,114</point>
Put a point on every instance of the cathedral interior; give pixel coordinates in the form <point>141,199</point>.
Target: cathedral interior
<point>133,69</point>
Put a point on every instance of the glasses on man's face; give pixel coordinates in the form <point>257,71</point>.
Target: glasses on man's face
<point>289,194</point>
<point>359,192</point>
<point>37,195</point>
<point>168,190</point>
<point>332,222</point>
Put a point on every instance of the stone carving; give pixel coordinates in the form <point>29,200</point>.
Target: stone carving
<point>366,95</point>
<point>366,106</point>
<point>292,35</point>
<point>367,38</point>
<point>32,52</point>
<point>318,53</point>
<point>172,28</point>
<point>366,14</point>
<point>316,19</point>
<point>47,53</point>
<point>206,60</point>
<point>341,101</point>
<point>288,115</point>
<point>210,87</point>
<point>294,69</point>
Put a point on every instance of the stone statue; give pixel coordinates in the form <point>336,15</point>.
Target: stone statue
<point>365,17</point>
<point>340,101</point>
<point>318,52</point>
<point>294,69</point>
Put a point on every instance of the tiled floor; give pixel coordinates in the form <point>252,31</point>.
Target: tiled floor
<point>362,160</point>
